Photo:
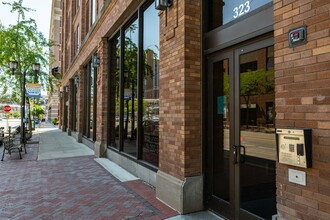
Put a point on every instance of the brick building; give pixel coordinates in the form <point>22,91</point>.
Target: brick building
<point>189,97</point>
<point>55,34</point>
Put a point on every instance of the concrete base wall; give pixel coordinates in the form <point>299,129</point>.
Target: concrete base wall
<point>89,143</point>
<point>100,149</point>
<point>136,169</point>
<point>185,196</point>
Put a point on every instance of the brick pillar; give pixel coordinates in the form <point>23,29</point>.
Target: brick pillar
<point>179,179</point>
<point>102,99</point>
<point>80,104</point>
<point>302,100</point>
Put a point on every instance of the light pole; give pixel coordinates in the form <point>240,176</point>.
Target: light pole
<point>13,65</point>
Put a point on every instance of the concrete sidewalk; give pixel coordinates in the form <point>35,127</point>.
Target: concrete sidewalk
<point>63,180</point>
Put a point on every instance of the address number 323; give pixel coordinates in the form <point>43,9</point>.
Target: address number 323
<point>241,9</point>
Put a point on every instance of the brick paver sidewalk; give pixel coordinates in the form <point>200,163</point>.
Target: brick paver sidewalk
<point>72,188</point>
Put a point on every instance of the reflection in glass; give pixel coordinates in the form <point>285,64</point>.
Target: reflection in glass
<point>257,174</point>
<point>114,94</point>
<point>221,128</point>
<point>150,109</point>
<point>130,88</point>
<point>91,104</point>
<point>75,105</point>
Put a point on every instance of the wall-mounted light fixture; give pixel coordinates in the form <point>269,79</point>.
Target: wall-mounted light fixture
<point>163,4</point>
<point>95,60</point>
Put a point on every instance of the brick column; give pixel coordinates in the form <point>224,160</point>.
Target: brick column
<point>179,179</point>
<point>302,100</point>
<point>80,104</point>
<point>102,99</point>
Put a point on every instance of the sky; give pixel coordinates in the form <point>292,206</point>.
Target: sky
<point>41,14</point>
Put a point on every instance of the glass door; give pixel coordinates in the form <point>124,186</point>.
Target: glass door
<point>219,120</point>
<point>241,152</point>
<point>255,144</point>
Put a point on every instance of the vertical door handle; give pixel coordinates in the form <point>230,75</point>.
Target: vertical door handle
<point>239,151</point>
<point>235,153</point>
<point>242,156</point>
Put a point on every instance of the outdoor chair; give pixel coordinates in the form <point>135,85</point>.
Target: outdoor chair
<point>11,145</point>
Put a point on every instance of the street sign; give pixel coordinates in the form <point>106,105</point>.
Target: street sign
<point>6,108</point>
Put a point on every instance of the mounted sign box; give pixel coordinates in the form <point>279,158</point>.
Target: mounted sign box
<point>298,36</point>
<point>294,146</point>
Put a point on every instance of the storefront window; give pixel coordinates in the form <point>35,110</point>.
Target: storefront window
<point>89,106</point>
<point>75,103</point>
<point>130,87</point>
<point>150,111</point>
<point>114,96</point>
<point>134,87</point>
<point>225,11</point>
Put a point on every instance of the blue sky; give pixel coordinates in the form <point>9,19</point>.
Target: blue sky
<point>41,14</point>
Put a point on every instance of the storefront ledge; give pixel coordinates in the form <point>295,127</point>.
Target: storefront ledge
<point>133,167</point>
<point>77,136</point>
<point>89,143</point>
<point>185,196</point>
<point>100,149</point>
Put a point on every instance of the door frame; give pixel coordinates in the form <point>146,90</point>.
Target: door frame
<point>228,210</point>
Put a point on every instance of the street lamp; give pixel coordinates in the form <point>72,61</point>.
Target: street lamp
<point>13,65</point>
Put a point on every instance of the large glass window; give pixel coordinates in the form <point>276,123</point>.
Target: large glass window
<point>114,90</point>
<point>134,87</point>
<point>90,94</point>
<point>75,103</point>
<point>130,87</point>
<point>150,111</point>
<point>225,11</point>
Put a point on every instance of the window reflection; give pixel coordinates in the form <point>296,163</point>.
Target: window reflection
<point>130,88</point>
<point>114,96</point>
<point>125,95</point>
<point>257,98</point>
<point>224,11</point>
<point>150,111</point>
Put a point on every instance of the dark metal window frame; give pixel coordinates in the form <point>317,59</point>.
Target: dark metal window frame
<point>140,67</point>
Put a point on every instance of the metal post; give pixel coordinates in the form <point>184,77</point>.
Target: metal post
<point>23,111</point>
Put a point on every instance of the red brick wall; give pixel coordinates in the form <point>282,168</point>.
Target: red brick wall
<point>303,100</point>
<point>180,89</point>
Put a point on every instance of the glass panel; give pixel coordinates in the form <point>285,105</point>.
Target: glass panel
<point>151,86</point>
<point>91,104</point>
<point>221,128</point>
<point>223,11</point>
<point>257,98</point>
<point>76,104</point>
<point>114,96</point>
<point>130,90</point>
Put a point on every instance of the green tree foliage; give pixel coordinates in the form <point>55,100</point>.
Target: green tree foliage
<point>37,111</point>
<point>256,82</point>
<point>25,44</point>
<point>22,42</point>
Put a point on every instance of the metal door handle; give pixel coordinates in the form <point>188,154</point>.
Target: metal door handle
<point>235,153</point>
<point>239,151</point>
<point>242,156</point>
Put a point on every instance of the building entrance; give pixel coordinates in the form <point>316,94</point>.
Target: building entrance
<point>241,152</point>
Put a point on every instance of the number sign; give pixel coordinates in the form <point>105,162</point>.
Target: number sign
<point>233,9</point>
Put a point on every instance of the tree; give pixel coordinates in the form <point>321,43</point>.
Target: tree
<point>22,42</point>
<point>37,111</point>
<point>256,82</point>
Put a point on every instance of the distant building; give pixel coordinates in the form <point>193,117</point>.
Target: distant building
<point>55,35</point>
